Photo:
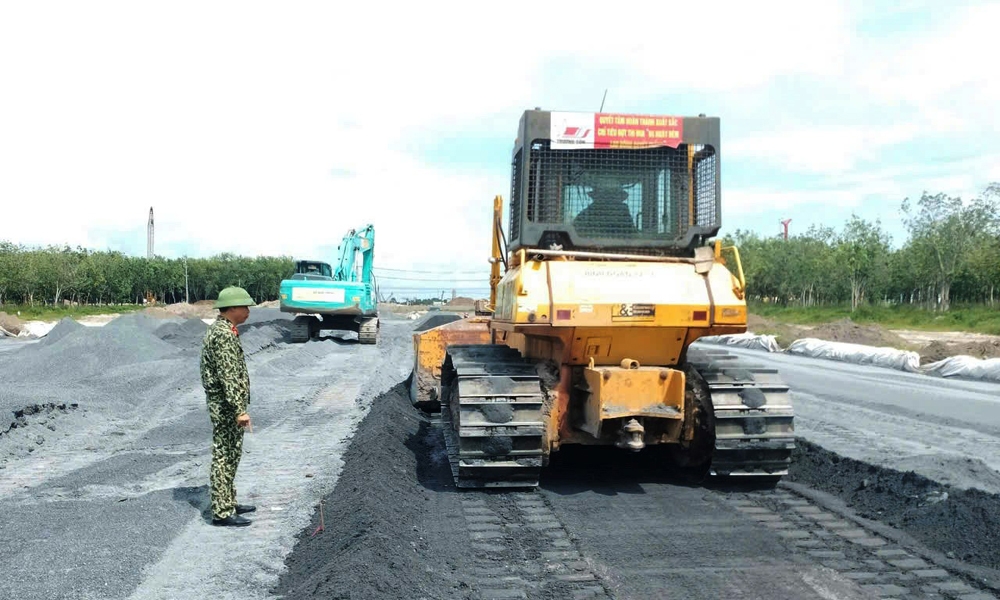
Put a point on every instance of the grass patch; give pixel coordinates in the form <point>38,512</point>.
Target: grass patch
<point>973,319</point>
<point>42,312</point>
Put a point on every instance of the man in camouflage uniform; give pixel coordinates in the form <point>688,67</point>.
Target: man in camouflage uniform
<point>227,390</point>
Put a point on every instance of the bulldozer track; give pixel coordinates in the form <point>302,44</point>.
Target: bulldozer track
<point>754,438</point>
<point>505,530</point>
<point>495,432</point>
<point>857,548</point>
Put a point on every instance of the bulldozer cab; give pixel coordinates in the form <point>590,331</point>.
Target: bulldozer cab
<point>634,183</point>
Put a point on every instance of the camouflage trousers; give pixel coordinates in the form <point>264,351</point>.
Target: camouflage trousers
<point>227,448</point>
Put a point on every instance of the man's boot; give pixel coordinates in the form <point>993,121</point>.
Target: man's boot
<point>245,508</point>
<point>232,521</point>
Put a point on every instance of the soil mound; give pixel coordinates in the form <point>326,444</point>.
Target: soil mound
<point>937,350</point>
<point>962,523</point>
<point>199,310</point>
<point>380,539</point>
<point>10,323</point>
<point>847,331</point>
<point>783,333</point>
<point>461,301</point>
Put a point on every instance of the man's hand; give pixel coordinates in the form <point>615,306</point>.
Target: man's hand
<point>243,420</point>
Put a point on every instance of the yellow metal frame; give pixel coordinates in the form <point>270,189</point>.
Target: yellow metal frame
<point>496,258</point>
<point>741,289</point>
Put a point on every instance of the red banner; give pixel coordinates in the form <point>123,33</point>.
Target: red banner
<point>628,131</point>
<point>604,130</point>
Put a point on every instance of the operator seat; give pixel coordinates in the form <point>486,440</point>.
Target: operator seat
<point>607,216</point>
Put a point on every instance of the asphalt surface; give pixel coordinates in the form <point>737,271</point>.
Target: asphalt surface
<point>945,429</point>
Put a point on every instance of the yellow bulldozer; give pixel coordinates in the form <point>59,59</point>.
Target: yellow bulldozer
<point>610,273</point>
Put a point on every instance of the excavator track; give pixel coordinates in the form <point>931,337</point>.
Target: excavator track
<point>368,331</point>
<point>492,404</point>
<point>754,417</point>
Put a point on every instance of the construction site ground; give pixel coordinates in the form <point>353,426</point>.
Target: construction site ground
<point>105,446</point>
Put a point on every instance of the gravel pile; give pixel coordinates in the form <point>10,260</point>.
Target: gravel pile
<point>85,352</point>
<point>260,336</point>
<point>186,334</point>
<point>63,328</point>
<point>380,538</point>
<point>110,373</point>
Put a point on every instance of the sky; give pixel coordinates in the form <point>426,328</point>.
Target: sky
<point>272,129</point>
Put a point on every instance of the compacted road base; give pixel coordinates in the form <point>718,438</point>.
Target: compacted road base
<point>107,497</point>
<point>603,524</point>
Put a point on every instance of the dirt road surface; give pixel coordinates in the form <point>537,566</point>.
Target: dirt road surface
<point>108,498</point>
<point>104,466</point>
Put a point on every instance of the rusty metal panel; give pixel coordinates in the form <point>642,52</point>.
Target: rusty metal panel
<point>429,349</point>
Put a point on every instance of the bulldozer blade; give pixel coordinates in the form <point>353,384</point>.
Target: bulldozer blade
<point>429,346</point>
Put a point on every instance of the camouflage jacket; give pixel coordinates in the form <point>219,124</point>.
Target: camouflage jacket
<point>223,368</point>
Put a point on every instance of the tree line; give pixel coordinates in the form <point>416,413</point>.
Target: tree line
<point>53,275</point>
<point>951,255</point>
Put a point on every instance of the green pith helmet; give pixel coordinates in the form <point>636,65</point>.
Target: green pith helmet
<point>234,296</point>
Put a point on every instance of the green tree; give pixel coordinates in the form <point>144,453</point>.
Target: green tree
<point>863,251</point>
<point>944,231</point>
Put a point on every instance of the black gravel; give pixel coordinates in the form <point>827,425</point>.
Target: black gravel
<point>436,321</point>
<point>963,524</point>
<point>386,532</point>
<point>186,334</point>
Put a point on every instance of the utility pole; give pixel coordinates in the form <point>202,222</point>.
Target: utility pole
<point>187,297</point>
<point>149,235</point>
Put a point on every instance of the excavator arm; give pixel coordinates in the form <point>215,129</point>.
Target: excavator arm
<point>356,241</point>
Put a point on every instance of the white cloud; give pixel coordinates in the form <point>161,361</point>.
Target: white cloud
<point>260,129</point>
<point>822,150</point>
<point>940,72</point>
<point>742,202</point>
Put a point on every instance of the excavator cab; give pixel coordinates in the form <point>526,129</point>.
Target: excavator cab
<point>610,273</point>
<point>311,269</point>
